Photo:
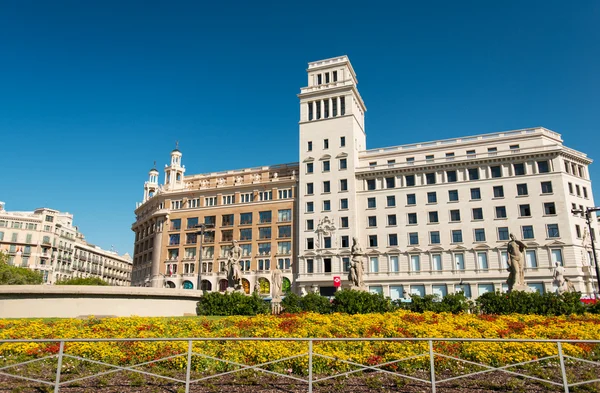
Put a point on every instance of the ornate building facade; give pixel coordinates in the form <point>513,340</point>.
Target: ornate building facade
<point>46,240</point>
<point>406,205</point>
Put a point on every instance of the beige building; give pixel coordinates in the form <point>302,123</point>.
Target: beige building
<point>255,206</point>
<point>46,240</point>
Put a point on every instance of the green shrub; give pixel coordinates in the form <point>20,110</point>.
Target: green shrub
<point>83,281</point>
<point>313,302</point>
<point>593,308</point>
<point>454,303</point>
<point>518,302</point>
<point>360,302</point>
<point>292,303</point>
<point>235,303</point>
<point>13,275</point>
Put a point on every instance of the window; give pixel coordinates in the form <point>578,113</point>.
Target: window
<point>457,236</point>
<point>371,184</point>
<point>344,203</point>
<point>522,189</point>
<point>415,263</point>
<point>410,160</point>
<point>391,163</point>
<point>392,239</point>
<point>498,192</point>
<point>310,207</point>
<point>344,185</point>
<point>434,237</point>
<point>479,235</point>
<point>570,188</point>
<point>210,201</point>
<point>284,231</point>
<point>265,195</point>
<point>310,243</point>
<point>309,188</point>
<point>391,219</point>
<point>453,195</point>
<point>577,231</point>
<point>482,260</point>
<point>413,238</point>
<point>503,233</point>
<point>327,205</point>
<point>309,167</point>
<point>473,173</point>
<point>227,220</point>
<point>585,194</point>
<point>430,178</point>
<point>325,143</point>
<point>327,265</point>
<point>432,197</point>
<point>394,264</point>
<point>553,230</point>
<point>264,217</point>
<point>174,240</point>
<point>374,265</point>
<point>475,194</point>
<point>577,190</point>
<point>470,153</point>
<point>326,167</point>
<point>342,138</point>
<point>248,197</point>
<point>372,240</point>
<point>391,201</point>
<point>557,257</point>
<point>455,215</point>
<point>310,111</point>
<point>49,219</point>
<point>543,167</point>
<point>519,169</point>
<point>310,225</point>
<point>524,211</point>
<point>309,266</point>
<point>496,171</point>
<point>285,248</point>
<point>429,158</point>
<point>500,212</point>
<point>371,203</point>
<point>372,220</point>
<point>342,105</point>
<point>176,224</point>
<point>477,213</point>
<point>343,163</point>
<point>345,241</point>
<point>246,234</point>
<point>527,231</point>
<point>433,217</point>
<point>492,149</point>
<point>285,193</point>
<point>264,248</point>
<point>228,199</point>
<point>344,222</point>
<point>390,182</point>
<point>318,103</point>
<point>412,218</point>
<point>411,199</point>
<point>531,259</point>
<point>451,176</point>
<point>459,261</point>
<point>410,180</point>
<point>549,208</point>
<point>192,222</point>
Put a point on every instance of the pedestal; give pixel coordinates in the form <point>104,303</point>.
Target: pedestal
<point>362,289</point>
<point>521,288</point>
<point>276,306</point>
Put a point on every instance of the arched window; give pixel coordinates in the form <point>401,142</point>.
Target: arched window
<point>222,285</point>
<point>188,285</point>
<point>205,285</point>
<point>246,286</point>
<point>264,286</point>
<point>286,285</point>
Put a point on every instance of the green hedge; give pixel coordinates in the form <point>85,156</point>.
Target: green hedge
<point>518,302</point>
<point>235,303</point>
<point>83,281</point>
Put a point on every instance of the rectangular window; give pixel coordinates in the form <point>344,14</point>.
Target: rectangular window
<point>557,257</point>
<point>500,212</point>
<point>475,194</point>
<point>310,207</point>
<point>374,265</point>
<point>372,240</point>
<point>498,192</point>
<point>412,218</point>
<point>392,239</point>
<point>524,211</point>
<point>457,236</point>
<point>310,225</point>
<point>174,240</point>
<point>527,231</point>
<point>284,248</point>
<point>264,249</point>
<point>326,108</point>
<point>453,195</point>
<point>549,208</point>
<point>459,261</point>
<point>391,201</point>
<point>455,215</point>
<point>284,231</point>
<point>496,171</point>
<point>413,238</point>
<point>531,259</point>
<point>434,237</point>
<point>318,105</point>
<point>176,224</point>
<point>284,215</point>
<point>228,199</point>
<point>432,197</point>
<point>344,185</point>
<point>553,230</point>
<point>327,265</point>
<point>210,201</point>
<point>503,233</point>
<point>394,264</point>
<point>479,235</point>
<point>577,231</point>
<point>326,205</point>
<point>334,76</point>
<point>410,180</point>
<point>429,158</point>
<point>430,178</point>
<point>415,263</point>
<point>343,163</point>
<point>265,195</point>
<point>577,190</point>
<point>309,146</point>
<point>451,176</point>
<point>342,140</point>
<point>285,193</point>
<point>522,189</point>
<point>345,240</point>
<point>411,199</point>
<point>227,220</point>
<point>371,203</point>
<point>310,243</point>
<point>477,213</point>
<point>247,197</point>
<point>585,194</point>
<point>391,219</point>
<point>325,143</point>
<point>309,167</point>
<point>227,235</point>
<point>372,220</point>
<point>310,111</point>
<point>390,182</point>
<point>309,266</point>
<point>571,188</point>
<point>192,222</point>
<point>326,166</point>
<point>246,234</point>
<point>310,189</point>
<point>344,203</point>
<point>473,173</point>
<point>433,217</point>
<point>342,105</point>
<point>482,260</point>
<point>543,167</point>
<point>344,222</point>
<point>371,184</point>
<point>519,169</point>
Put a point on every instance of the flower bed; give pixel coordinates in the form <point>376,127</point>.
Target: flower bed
<point>396,324</point>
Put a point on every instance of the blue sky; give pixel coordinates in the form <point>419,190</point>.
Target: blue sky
<point>91,93</point>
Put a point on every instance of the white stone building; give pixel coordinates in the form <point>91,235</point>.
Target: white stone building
<point>46,240</point>
<point>408,205</point>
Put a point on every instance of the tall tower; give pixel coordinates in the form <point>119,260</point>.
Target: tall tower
<point>151,186</point>
<point>174,172</point>
<point>331,135</point>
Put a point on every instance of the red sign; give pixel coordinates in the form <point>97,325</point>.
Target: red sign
<point>337,281</point>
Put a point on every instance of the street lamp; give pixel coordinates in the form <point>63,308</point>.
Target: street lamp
<point>203,228</point>
<point>588,218</point>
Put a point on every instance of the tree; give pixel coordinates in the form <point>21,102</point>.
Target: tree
<point>13,275</point>
<point>82,281</point>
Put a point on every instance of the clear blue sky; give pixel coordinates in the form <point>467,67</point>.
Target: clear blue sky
<point>92,92</point>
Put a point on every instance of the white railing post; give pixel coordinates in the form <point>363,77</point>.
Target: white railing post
<point>432,366</point>
<point>310,366</point>
<point>59,366</point>
<point>563,371</point>
<point>189,367</point>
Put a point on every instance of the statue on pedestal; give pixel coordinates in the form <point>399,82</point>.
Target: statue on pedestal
<point>516,265</point>
<point>277,283</point>
<point>234,275</point>
<point>356,266</point>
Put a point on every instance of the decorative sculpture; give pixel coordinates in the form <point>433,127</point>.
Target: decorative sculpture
<point>234,274</point>
<point>356,265</point>
<point>562,283</point>
<point>516,278</point>
<point>221,181</point>
<point>277,282</point>
<point>238,180</point>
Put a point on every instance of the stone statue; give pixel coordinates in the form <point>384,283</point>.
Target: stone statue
<point>516,265</point>
<point>239,180</point>
<point>204,183</point>
<point>277,280</point>
<point>256,177</point>
<point>234,274</point>
<point>356,265</point>
<point>562,284</point>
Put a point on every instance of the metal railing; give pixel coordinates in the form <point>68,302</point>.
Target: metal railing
<point>312,354</point>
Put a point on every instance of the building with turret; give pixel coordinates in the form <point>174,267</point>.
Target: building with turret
<point>433,217</point>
